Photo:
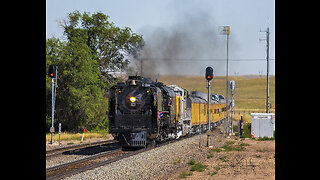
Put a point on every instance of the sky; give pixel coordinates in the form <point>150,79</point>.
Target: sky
<point>156,20</point>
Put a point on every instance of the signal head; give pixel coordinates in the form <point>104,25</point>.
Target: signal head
<point>209,73</point>
<point>52,71</point>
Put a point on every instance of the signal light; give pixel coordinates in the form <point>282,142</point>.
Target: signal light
<point>209,73</point>
<point>52,71</point>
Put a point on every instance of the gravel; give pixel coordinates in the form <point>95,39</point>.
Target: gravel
<point>64,158</point>
<point>157,163</point>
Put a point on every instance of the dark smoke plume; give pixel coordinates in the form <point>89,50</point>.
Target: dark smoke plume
<point>182,49</point>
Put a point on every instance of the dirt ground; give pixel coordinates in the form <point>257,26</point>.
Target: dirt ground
<point>256,161</point>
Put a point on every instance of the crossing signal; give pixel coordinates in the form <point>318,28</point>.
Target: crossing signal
<point>209,73</point>
<point>52,71</point>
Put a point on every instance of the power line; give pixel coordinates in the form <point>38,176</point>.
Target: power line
<point>184,60</point>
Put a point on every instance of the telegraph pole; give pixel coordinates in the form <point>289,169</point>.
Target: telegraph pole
<point>267,39</point>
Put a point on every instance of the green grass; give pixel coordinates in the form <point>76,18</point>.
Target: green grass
<point>185,174</point>
<point>191,162</point>
<point>198,167</point>
<point>229,146</point>
<point>265,138</point>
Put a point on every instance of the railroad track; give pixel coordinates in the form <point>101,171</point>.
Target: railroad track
<point>97,160</point>
<point>74,167</point>
<point>69,149</point>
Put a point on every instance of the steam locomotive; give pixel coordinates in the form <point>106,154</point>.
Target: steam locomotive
<point>143,112</point>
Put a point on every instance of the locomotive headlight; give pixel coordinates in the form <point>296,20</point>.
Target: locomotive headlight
<point>132,99</point>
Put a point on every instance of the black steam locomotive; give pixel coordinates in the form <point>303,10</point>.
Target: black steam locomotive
<point>143,112</point>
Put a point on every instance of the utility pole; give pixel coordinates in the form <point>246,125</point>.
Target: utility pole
<point>225,30</point>
<point>267,39</point>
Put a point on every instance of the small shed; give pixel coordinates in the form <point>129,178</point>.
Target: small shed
<point>262,124</point>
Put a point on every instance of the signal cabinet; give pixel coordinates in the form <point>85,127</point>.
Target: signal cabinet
<point>262,124</point>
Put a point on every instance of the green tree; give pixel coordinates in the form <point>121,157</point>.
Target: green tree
<point>94,48</point>
<point>110,45</point>
<point>80,101</point>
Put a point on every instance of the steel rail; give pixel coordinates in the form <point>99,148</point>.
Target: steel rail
<point>70,166</point>
<point>57,151</point>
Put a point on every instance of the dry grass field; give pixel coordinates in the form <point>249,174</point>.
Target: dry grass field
<point>250,91</point>
<point>65,136</point>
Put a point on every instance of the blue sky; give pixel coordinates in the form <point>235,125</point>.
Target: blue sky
<point>245,18</point>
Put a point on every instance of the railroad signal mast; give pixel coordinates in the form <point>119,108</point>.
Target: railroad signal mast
<point>209,77</point>
<point>52,72</point>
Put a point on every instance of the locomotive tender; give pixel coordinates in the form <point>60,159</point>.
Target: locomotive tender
<point>143,112</point>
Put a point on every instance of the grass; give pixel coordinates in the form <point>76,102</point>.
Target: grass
<point>185,174</point>
<point>224,159</point>
<point>265,138</point>
<point>246,131</point>
<point>250,92</point>
<point>191,162</point>
<point>209,155</point>
<point>198,167</point>
<point>216,169</point>
<point>65,136</point>
<point>177,161</point>
<point>229,146</point>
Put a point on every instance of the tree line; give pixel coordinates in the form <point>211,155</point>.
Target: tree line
<point>93,49</point>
